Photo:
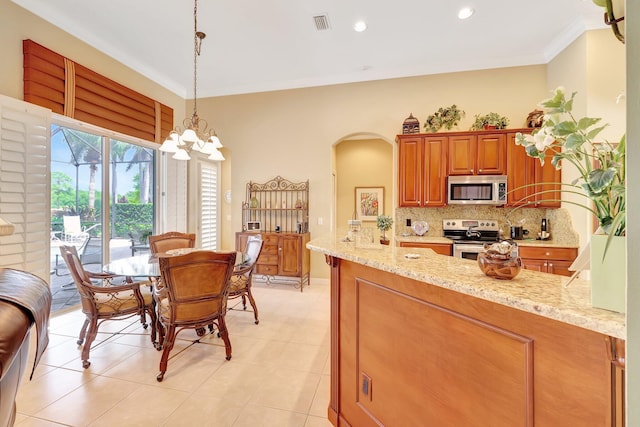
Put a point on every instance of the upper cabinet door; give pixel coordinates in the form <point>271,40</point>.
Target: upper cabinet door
<point>548,180</point>
<point>520,173</point>
<point>410,171</point>
<point>434,184</point>
<point>492,154</point>
<point>478,154</point>
<point>462,154</point>
<point>528,182</point>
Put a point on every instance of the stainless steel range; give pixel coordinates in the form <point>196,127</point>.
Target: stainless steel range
<point>470,235</point>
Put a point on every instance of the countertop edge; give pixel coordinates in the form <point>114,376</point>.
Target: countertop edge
<point>565,304</point>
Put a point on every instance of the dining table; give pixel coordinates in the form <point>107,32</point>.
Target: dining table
<point>147,265</point>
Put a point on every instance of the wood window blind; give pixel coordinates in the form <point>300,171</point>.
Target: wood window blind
<point>68,88</point>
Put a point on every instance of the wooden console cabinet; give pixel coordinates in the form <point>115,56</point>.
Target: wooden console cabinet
<point>279,210</point>
<point>284,255</point>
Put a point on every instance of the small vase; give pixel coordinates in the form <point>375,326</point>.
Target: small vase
<point>383,239</point>
<point>254,203</point>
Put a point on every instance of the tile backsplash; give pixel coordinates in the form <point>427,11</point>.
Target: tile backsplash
<point>559,220</point>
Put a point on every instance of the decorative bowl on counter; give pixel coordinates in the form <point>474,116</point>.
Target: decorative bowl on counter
<point>420,228</point>
<point>500,260</point>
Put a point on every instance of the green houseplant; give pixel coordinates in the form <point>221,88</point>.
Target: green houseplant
<point>443,118</point>
<point>489,120</point>
<point>601,166</point>
<point>384,223</point>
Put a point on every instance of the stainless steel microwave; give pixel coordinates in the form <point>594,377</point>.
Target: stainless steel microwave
<point>477,190</point>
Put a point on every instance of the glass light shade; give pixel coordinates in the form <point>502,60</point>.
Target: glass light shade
<point>170,145</point>
<point>189,135</point>
<point>181,155</point>
<point>216,155</point>
<point>207,148</point>
<point>216,141</point>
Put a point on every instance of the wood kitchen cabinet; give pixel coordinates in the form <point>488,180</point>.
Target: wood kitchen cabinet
<point>528,182</point>
<point>439,248</point>
<point>283,255</point>
<point>477,153</point>
<point>548,259</point>
<point>422,170</point>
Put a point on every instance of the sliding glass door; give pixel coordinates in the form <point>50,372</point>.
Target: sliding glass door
<point>132,197</point>
<point>87,170</point>
<point>76,194</point>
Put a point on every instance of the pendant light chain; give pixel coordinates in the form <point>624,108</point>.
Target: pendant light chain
<point>197,136</point>
<point>196,53</point>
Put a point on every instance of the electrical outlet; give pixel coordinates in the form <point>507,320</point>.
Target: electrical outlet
<point>320,220</point>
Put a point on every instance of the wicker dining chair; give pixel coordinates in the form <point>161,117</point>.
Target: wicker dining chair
<point>240,286</point>
<point>160,243</point>
<point>103,300</point>
<point>193,296</point>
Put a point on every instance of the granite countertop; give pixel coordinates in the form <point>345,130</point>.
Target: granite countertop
<point>538,293</point>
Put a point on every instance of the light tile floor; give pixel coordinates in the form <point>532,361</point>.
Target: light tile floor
<point>278,375</point>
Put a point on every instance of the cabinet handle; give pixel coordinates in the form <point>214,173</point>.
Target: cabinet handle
<point>279,249</point>
<point>550,265</point>
<point>547,253</point>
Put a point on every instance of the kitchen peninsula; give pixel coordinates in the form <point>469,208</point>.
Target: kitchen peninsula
<point>433,341</point>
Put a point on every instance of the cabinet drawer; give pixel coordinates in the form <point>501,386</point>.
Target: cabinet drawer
<point>269,250</point>
<point>568,254</point>
<point>269,239</point>
<point>268,259</point>
<point>270,270</point>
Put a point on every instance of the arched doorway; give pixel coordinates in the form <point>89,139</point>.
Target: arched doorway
<point>362,160</point>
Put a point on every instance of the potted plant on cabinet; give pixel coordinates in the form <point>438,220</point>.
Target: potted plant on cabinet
<point>384,224</point>
<point>490,121</point>
<point>443,118</point>
<point>601,183</point>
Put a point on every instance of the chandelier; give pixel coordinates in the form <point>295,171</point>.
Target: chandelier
<point>197,136</point>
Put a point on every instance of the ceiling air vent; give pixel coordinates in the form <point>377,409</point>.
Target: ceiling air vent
<point>322,22</point>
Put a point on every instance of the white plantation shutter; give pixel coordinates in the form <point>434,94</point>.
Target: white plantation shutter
<point>172,209</point>
<point>25,185</point>
<point>208,173</point>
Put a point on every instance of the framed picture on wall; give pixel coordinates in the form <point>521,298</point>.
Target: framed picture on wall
<point>369,203</point>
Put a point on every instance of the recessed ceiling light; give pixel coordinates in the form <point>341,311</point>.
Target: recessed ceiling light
<point>465,12</point>
<point>360,26</point>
